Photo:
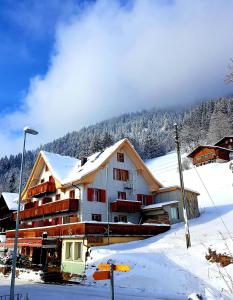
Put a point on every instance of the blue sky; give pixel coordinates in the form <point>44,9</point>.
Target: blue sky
<point>27,30</point>
<point>69,64</point>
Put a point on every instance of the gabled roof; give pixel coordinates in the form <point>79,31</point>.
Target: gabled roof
<point>68,170</point>
<point>206,146</point>
<point>225,137</point>
<point>11,200</point>
<point>174,188</point>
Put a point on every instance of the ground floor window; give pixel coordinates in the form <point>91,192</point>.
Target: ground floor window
<point>77,250</point>
<point>69,250</point>
<point>174,213</point>
<point>73,250</point>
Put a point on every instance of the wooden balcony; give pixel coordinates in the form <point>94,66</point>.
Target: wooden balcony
<point>46,187</point>
<point>49,209</point>
<point>90,229</point>
<point>125,206</point>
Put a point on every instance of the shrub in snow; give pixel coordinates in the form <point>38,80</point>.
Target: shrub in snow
<point>195,296</point>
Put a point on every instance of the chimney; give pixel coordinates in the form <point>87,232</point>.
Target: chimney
<point>83,160</point>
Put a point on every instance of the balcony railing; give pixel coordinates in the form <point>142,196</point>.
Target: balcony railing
<point>125,206</point>
<point>49,209</point>
<point>90,229</point>
<point>46,187</point>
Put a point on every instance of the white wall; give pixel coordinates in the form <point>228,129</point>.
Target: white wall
<point>104,180</point>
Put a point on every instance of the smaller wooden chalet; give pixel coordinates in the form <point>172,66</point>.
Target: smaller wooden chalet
<point>226,142</point>
<point>202,155</point>
<point>167,207</point>
<point>8,204</point>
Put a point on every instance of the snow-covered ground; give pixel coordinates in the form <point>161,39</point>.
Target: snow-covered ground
<point>162,267</point>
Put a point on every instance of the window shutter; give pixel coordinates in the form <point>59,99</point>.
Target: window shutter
<point>90,193</point>
<point>102,196</point>
<point>139,197</point>
<point>149,200</point>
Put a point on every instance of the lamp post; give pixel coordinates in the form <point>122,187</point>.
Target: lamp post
<point>13,271</point>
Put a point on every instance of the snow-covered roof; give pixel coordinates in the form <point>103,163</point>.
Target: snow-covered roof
<point>225,137</point>
<point>207,146</point>
<point>159,205</point>
<point>176,187</point>
<point>11,200</point>
<point>67,169</point>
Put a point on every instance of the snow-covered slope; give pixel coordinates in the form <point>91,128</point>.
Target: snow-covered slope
<point>162,265</point>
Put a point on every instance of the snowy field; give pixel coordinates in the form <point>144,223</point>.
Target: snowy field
<point>162,267</point>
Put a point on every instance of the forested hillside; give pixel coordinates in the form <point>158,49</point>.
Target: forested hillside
<point>151,133</point>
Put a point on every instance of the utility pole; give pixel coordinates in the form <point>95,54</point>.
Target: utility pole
<point>183,200</point>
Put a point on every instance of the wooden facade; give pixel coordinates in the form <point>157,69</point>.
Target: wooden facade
<point>125,206</point>
<point>6,218</point>
<point>52,208</point>
<point>89,229</point>
<point>207,154</point>
<point>226,142</point>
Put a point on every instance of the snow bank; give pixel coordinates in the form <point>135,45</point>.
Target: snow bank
<point>162,265</point>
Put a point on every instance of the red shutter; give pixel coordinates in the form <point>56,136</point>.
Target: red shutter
<point>139,197</point>
<point>51,179</point>
<point>149,200</point>
<point>102,196</point>
<point>90,193</point>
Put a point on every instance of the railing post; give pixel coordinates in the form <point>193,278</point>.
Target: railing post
<point>112,280</point>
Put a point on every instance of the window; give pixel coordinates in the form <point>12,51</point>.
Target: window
<point>96,195</point>
<point>69,250</point>
<point>96,217</point>
<point>42,180</point>
<point>119,174</point>
<point>58,196</point>
<point>72,194</point>
<point>66,220</point>
<point>174,213</point>
<point>77,251</point>
<point>46,168</point>
<point>46,200</point>
<point>120,157</point>
<point>122,195</point>
<point>115,219</point>
<point>145,199</point>
<point>122,219</point>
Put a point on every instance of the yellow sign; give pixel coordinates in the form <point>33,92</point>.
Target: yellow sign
<point>119,268</point>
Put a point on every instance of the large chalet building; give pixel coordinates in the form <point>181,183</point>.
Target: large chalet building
<point>70,205</point>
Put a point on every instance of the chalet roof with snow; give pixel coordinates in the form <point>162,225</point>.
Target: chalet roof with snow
<point>174,188</point>
<point>223,139</point>
<point>159,205</point>
<point>11,200</point>
<point>68,170</point>
<point>191,154</point>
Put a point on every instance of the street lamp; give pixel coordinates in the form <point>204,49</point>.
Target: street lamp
<point>12,289</point>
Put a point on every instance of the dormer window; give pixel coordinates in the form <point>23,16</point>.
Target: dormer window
<point>120,157</point>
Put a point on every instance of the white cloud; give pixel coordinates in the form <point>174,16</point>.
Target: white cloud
<point>112,60</point>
